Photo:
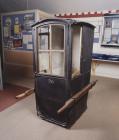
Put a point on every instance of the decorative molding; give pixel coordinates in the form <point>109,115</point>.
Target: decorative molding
<point>87,14</point>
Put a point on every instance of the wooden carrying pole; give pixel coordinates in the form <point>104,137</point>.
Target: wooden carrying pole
<point>76,97</point>
<point>26,93</point>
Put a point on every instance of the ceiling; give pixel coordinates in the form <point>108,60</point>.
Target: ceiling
<point>58,6</point>
<point>12,5</point>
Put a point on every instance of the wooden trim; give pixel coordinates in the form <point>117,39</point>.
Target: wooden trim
<point>105,61</point>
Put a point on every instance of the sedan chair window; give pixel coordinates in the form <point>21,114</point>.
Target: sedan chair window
<point>76,50</point>
<point>51,50</point>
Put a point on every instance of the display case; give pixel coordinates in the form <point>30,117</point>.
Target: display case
<point>1,83</point>
<point>111,31</point>
<point>62,66</point>
<point>17,42</point>
<point>1,63</point>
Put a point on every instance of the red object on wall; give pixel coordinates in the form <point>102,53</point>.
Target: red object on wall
<point>87,14</point>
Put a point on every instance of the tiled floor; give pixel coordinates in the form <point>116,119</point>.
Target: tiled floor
<point>99,122</point>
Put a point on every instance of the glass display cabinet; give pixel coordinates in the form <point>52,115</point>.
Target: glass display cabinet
<point>110,36</point>
<point>62,66</point>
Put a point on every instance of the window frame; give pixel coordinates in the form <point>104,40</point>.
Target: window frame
<point>50,50</point>
<point>111,17</point>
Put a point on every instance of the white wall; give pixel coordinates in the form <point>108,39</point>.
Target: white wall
<point>106,69</point>
<point>97,48</point>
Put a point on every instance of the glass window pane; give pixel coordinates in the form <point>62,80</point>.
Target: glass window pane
<point>76,51</point>
<point>43,42</point>
<point>58,63</point>
<point>111,31</point>
<point>44,66</point>
<point>44,29</point>
<point>57,34</point>
<point>43,38</point>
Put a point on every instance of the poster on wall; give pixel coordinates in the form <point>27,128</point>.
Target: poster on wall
<point>17,31</point>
